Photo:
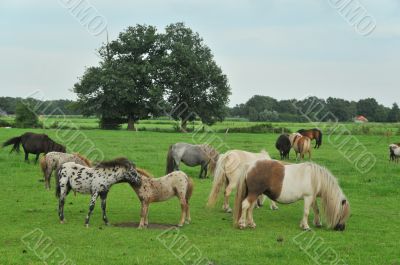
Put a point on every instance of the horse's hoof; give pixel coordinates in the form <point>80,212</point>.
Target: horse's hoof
<point>229,210</point>
<point>62,222</point>
<point>87,225</point>
<point>187,222</point>
<point>274,208</point>
<point>253,225</point>
<point>180,225</point>
<point>318,225</point>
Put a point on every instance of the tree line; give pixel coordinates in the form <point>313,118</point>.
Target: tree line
<point>265,108</point>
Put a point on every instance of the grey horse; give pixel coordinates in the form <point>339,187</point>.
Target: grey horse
<point>192,155</point>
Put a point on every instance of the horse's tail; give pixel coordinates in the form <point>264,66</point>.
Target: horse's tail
<point>319,140</point>
<point>219,179</point>
<point>189,190</point>
<point>241,193</point>
<point>16,141</point>
<point>58,187</point>
<point>43,165</point>
<point>170,161</point>
<point>84,159</point>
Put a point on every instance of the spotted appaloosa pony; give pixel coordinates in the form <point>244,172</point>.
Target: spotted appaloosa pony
<point>96,181</point>
<point>192,155</point>
<point>313,134</point>
<point>394,152</point>
<point>229,167</point>
<point>160,189</point>
<point>34,143</point>
<point>300,144</point>
<point>53,160</point>
<point>288,184</point>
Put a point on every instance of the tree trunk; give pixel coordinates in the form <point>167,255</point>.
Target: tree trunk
<point>131,123</point>
<point>183,125</point>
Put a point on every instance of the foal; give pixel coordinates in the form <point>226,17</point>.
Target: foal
<point>96,181</point>
<point>151,190</point>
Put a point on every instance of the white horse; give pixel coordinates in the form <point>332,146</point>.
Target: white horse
<point>228,169</point>
<point>288,184</point>
<point>96,181</point>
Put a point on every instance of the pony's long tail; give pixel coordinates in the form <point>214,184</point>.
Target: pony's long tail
<point>319,140</point>
<point>43,165</point>
<point>219,179</point>
<point>58,187</point>
<point>170,161</point>
<point>16,141</point>
<point>241,193</point>
<point>189,190</point>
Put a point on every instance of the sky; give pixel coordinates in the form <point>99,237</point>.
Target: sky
<point>279,48</point>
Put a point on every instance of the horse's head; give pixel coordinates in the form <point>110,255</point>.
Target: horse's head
<point>344,215</point>
<point>132,176</point>
<point>59,148</point>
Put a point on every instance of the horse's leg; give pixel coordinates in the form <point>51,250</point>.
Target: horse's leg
<point>143,213</point>
<point>91,207</point>
<point>26,156</point>
<point>37,158</point>
<point>228,192</point>
<point>317,219</point>
<point>205,170</point>
<point>183,209</point>
<point>103,197</point>
<point>246,204</point>
<point>308,200</point>
<point>250,220</point>
<point>187,214</point>
<point>61,202</point>
<point>273,206</point>
<point>201,172</point>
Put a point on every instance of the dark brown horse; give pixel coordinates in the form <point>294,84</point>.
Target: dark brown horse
<point>313,134</point>
<point>34,143</point>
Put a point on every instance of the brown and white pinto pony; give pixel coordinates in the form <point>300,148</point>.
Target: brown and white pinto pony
<point>288,184</point>
<point>227,172</point>
<point>160,189</point>
<point>300,144</point>
<point>313,134</point>
<point>54,160</point>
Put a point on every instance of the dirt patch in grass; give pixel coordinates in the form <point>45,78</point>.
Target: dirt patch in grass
<point>150,226</point>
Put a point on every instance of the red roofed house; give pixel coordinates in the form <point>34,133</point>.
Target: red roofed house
<point>360,119</point>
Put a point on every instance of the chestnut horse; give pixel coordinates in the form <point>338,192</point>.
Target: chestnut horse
<point>301,144</point>
<point>313,134</point>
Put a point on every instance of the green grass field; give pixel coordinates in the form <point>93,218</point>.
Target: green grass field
<point>371,235</point>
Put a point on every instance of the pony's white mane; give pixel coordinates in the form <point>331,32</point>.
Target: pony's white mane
<point>264,152</point>
<point>326,185</point>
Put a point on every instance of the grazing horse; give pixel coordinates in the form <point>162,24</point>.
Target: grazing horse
<point>313,134</point>
<point>394,152</point>
<point>35,144</point>
<point>301,144</point>
<point>96,181</point>
<point>229,167</point>
<point>53,160</point>
<point>192,155</point>
<point>288,184</point>
<point>160,189</point>
<point>283,145</point>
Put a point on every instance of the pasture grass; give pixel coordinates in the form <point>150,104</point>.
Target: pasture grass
<point>371,236</point>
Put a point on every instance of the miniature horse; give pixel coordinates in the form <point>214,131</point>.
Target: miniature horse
<point>152,189</point>
<point>96,181</point>
<point>301,144</point>
<point>313,134</point>
<point>394,152</point>
<point>192,155</point>
<point>288,184</point>
<point>35,144</point>
<point>283,145</point>
<point>53,161</point>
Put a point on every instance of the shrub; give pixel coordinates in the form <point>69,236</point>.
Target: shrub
<point>25,117</point>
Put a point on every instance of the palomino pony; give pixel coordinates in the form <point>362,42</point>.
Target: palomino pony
<point>53,160</point>
<point>288,184</point>
<point>192,155</point>
<point>152,189</point>
<point>313,134</point>
<point>96,181</point>
<point>35,144</point>
<point>229,167</point>
<point>301,144</point>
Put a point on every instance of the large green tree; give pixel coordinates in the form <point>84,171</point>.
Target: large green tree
<point>196,86</point>
<point>125,86</point>
<point>394,113</point>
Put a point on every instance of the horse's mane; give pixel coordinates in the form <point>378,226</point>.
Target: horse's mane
<point>117,162</point>
<point>264,152</point>
<point>84,159</point>
<point>331,194</point>
<point>143,172</point>
<point>213,154</point>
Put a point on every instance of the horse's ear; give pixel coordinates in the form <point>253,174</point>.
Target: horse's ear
<point>343,202</point>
